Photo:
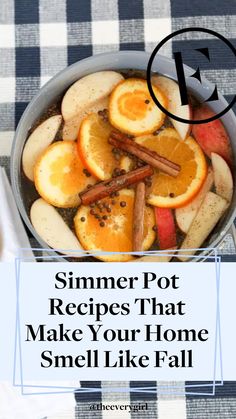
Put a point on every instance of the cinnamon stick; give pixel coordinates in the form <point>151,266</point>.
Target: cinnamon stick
<point>138,220</point>
<point>121,141</point>
<point>107,187</point>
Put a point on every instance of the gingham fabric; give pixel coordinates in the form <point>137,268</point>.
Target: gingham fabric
<point>38,38</point>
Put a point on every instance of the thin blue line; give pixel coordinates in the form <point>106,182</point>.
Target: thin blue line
<point>81,253</point>
<point>213,249</point>
<point>16,329</point>
<point>20,352</point>
<point>95,254</point>
<point>123,390</point>
<point>220,341</point>
<point>95,389</point>
<point>216,330</point>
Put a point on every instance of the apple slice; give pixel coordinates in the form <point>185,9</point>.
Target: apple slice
<point>71,127</point>
<point>212,136</point>
<point>51,227</point>
<point>87,91</point>
<point>37,142</point>
<point>209,213</point>
<point>185,215</point>
<point>171,89</point>
<point>222,177</point>
<point>165,228</point>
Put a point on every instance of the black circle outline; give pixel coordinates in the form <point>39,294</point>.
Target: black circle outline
<point>149,66</point>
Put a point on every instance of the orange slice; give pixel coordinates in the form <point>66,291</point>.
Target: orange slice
<point>132,110</point>
<point>94,148</point>
<point>174,192</point>
<point>60,175</point>
<point>114,233</point>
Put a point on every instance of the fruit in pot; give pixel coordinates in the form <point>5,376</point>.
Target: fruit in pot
<point>93,147</point>
<point>222,177</point>
<point>208,215</point>
<point>87,91</point>
<point>166,231</point>
<point>37,142</point>
<point>212,136</point>
<point>71,127</point>
<point>185,215</point>
<point>51,227</point>
<point>60,175</point>
<point>108,227</point>
<point>171,89</point>
<point>174,192</point>
<point>132,110</point>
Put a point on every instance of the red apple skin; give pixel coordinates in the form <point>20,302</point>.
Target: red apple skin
<point>166,230</point>
<point>212,136</point>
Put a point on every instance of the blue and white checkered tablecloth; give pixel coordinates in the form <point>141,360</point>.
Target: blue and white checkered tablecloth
<point>38,38</point>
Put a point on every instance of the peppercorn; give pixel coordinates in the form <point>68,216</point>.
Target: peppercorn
<point>116,172</point>
<point>82,219</point>
<point>86,172</point>
<point>103,114</point>
<point>123,204</point>
<point>102,224</point>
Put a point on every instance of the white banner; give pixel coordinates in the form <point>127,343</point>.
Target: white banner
<point>120,321</point>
